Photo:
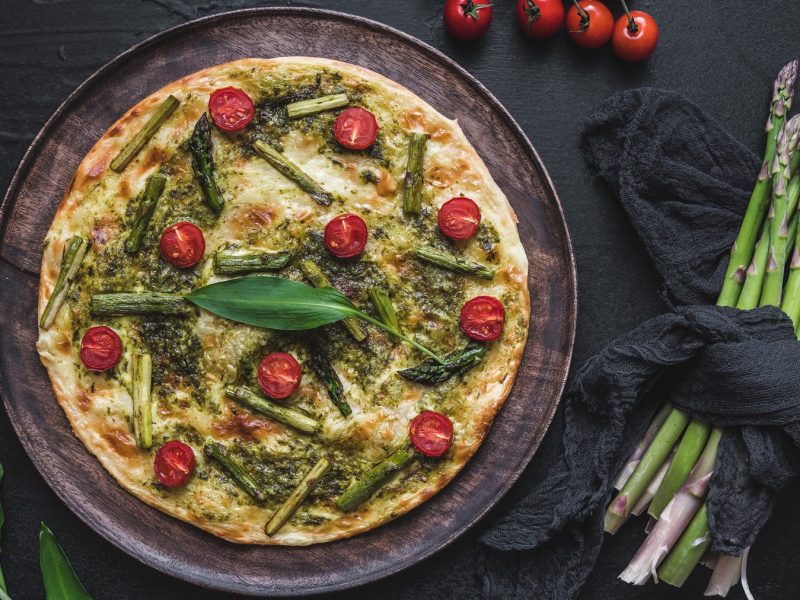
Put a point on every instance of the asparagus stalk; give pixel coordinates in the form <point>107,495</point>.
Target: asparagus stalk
<point>643,445</point>
<point>137,303</point>
<point>742,252</point>
<point>232,261</point>
<point>235,469</point>
<point>141,382</point>
<point>318,279</point>
<point>383,306</point>
<point>431,372</point>
<point>726,574</point>
<point>621,507</point>
<point>134,146</point>
<point>688,550</point>
<point>292,172</point>
<point>287,416</point>
<point>203,163</point>
<point>453,263</point>
<point>71,260</point>
<point>144,213</point>
<point>303,108</point>
<point>412,193</point>
<point>675,517</point>
<point>652,487</point>
<point>369,482</point>
<point>791,299</point>
<point>321,364</point>
<point>300,493</point>
<point>692,443</point>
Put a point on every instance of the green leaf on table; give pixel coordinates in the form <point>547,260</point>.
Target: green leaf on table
<point>60,581</point>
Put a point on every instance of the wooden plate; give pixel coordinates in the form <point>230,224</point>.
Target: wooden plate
<point>177,548</point>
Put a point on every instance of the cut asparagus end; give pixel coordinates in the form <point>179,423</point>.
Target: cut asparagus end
<point>688,550</point>
<point>231,261</point>
<point>412,192</point>
<point>653,487</point>
<point>292,172</point>
<point>146,207</point>
<point>137,303</point>
<point>287,416</point>
<point>71,260</point>
<point>616,514</point>
<point>304,108</point>
<point>135,145</point>
<point>318,279</point>
<point>453,263</point>
<point>727,572</point>
<point>141,382</point>
<point>383,306</point>
<point>364,487</point>
<point>642,446</point>
<point>203,164</point>
<point>298,495</point>
<point>235,469</point>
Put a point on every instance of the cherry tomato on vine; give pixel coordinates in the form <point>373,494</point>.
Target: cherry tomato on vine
<point>182,244</point>
<point>231,108</point>
<point>174,463</point>
<point>467,19</point>
<point>591,25</point>
<point>459,218</point>
<point>540,19</point>
<point>279,375</point>
<point>346,235</point>
<point>431,433</point>
<point>635,36</point>
<point>101,348</point>
<point>483,318</point>
<point>355,128</point>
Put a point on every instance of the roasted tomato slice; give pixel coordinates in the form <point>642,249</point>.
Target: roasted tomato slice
<point>482,318</point>
<point>346,235</point>
<point>431,433</point>
<point>183,244</point>
<point>231,108</point>
<point>174,463</point>
<point>279,374</point>
<point>355,128</point>
<point>101,348</point>
<point>459,218</point>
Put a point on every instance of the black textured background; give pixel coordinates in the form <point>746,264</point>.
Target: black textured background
<point>721,54</point>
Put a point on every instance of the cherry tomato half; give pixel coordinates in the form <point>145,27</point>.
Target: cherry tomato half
<point>467,19</point>
<point>346,235</point>
<point>231,108</point>
<point>635,38</point>
<point>540,19</point>
<point>459,218</point>
<point>431,433</point>
<point>101,348</point>
<point>174,463</point>
<point>594,27</point>
<point>182,244</point>
<point>482,318</point>
<point>355,128</point>
<point>279,374</point>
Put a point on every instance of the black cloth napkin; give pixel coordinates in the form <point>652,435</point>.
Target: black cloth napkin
<point>685,183</point>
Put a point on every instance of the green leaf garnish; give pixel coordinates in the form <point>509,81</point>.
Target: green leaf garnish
<point>60,581</point>
<point>285,305</point>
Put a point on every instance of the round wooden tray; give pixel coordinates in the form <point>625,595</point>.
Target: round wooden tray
<point>175,547</point>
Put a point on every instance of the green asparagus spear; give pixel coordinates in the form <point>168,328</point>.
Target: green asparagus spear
<point>235,469</point>
<point>137,303</point>
<point>287,416</point>
<point>412,192</point>
<point>203,163</point>
<point>303,108</point>
<point>383,306</point>
<point>232,261</point>
<point>791,297</point>
<point>369,482</point>
<point>297,496</point>
<point>453,263</point>
<point>292,172</point>
<point>321,364</point>
<point>141,382</point>
<point>74,253</point>
<point>431,373</point>
<point>134,146</point>
<point>688,550</point>
<point>147,202</point>
<point>318,279</point>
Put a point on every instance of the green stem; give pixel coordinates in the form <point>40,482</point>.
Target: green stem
<point>688,550</point>
<point>754,282</point>
<point>369,482</point>
<point>304,108</point>
<point>383,306</point>
<point>453,263</point>
<point>135,145</point>
<point>146,206</point>
<point>292,172</point>
<point>318,279</point>
<point>412,192</point>
<point>141,384</point>
<point>71,261</point>
<point>137,303</point>
<point>231,261</point>
<point>298,495</point>
<point>203,164</point>
<point>405,338</point>
<point>287,416</point>
<point>235,469</point>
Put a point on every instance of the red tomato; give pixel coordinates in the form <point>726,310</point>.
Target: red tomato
<point>355,128</point>
<point>431,433</point>
<point>101,348</point>
<point>467,19</point>
<point>279,374</point>
<point>459,218</point>
<point>540,19</point>
<point>346,235</point>
<point>174,463</point>
<point>182,244</point>
<point>482,318</point>
<point>231,108</point>
<point>592,26</point>
<point>635,37</point>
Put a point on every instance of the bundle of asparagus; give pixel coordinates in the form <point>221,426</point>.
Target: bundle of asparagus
<point>669,472</point>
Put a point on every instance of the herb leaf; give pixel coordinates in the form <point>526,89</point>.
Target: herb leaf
<point>60,581</point>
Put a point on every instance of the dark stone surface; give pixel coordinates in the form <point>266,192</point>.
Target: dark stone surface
<point>722,55</point>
